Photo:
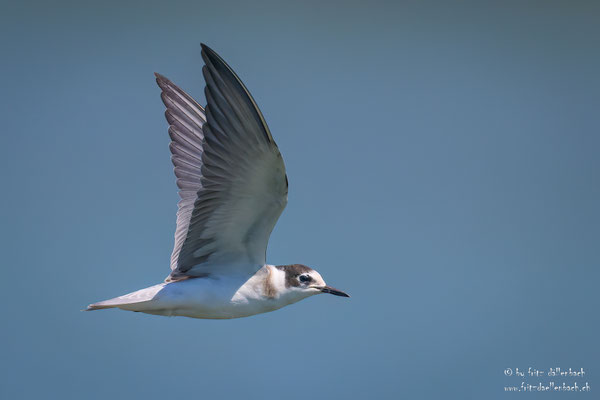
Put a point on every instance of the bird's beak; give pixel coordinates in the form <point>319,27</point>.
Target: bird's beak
<point>330,290</point>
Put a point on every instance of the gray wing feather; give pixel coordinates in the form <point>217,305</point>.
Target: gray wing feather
<point>230,173</point>
<point>186,118</point>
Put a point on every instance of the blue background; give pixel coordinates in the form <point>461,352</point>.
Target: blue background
<point>443,166</point>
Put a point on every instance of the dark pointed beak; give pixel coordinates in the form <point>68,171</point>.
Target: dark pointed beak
<point>330,290</point>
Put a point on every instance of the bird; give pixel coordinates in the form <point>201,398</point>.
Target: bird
<point>233,187</point>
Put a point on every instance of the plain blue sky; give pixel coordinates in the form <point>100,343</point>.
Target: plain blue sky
<point>444,170</point>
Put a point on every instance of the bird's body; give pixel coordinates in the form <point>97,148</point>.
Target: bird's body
<point>213,297</point>
<point>233,187</point>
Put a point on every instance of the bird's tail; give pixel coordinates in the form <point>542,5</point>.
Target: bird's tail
<point>130,301</point>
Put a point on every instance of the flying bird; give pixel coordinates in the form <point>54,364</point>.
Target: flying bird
<point>233,188</point>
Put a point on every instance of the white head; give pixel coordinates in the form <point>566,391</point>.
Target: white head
<point>298,281</point>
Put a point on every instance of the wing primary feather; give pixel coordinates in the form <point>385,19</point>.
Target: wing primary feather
<point>213,59</point>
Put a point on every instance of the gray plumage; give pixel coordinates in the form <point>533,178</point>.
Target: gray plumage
<point>186,119</point>
<point>230,174</point>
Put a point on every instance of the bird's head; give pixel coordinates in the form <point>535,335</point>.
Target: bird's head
<point>304,281</point>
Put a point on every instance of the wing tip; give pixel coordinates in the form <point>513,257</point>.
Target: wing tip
<point>162,80</point>
<point>211,56</point>
<point>205,48</point>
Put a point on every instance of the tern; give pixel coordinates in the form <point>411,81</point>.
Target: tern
<point>233,188</point>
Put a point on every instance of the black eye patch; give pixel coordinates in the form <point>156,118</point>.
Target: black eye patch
<point>305,278</point>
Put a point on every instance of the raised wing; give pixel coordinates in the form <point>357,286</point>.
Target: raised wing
<point>230,175</point>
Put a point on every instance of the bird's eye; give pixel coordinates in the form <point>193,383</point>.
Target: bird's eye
<point>305,278</point>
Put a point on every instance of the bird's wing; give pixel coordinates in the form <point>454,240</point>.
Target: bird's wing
<point>230,175</point>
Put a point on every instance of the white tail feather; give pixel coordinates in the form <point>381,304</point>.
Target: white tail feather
<point>125,301</point>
